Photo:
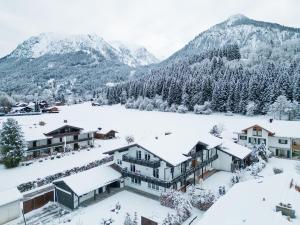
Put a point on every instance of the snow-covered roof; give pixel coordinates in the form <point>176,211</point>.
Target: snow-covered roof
<point>234,149</point>
<point>10,195</point>
<point>253,202</point>
<point>33,131</point>
<point>92,179</point>
<point>173,146</point>
<point>279,128</point>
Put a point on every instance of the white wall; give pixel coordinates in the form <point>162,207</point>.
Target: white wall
<point>9,212</point>
<point>143,187</point>
<point>223,162</point>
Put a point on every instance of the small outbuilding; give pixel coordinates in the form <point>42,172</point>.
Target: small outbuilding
<point>105,134</point>
<point>76,189</point>
<point>10,201</point>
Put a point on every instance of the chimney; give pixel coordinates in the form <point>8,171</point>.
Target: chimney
<point>65,121</point>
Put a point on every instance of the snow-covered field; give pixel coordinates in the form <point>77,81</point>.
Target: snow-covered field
<point>140,124</point>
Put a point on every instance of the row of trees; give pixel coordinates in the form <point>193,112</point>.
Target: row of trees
<point>226,82</point>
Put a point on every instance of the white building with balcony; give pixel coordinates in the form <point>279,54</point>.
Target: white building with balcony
<point>282,139</point>
<point>173,161</point>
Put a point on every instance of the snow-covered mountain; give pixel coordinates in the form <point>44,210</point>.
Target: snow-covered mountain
<point>55,44</point>
<point>254,38</point>
<point>240,65</point>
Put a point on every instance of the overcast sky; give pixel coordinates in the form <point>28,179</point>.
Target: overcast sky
<point>162,26</point>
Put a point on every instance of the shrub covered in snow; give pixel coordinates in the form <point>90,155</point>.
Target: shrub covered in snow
<point>129,220</point>
<point>176,200</point>
<point>173,108</point>
<point>201,199</point>
<point>203,109</point>
<point>149,107</point>
<point>216,130</point>
<point>257,167</point>
<point>277,170</point>
<point>129,139</point>
<point>182,109</point>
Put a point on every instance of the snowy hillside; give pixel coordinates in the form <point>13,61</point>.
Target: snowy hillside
<point>253,38</point>
<point>52,44</point>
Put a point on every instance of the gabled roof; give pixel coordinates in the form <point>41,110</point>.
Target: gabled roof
<point>53,131</point>
<point>270,132</point>
<point>288,129</point>
<point>175,147</point>
<point>92,179</point>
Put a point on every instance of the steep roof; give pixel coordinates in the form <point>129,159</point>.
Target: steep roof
<point>279,128</point>
<point>92,179</point>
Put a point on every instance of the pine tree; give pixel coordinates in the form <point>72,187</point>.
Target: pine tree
<point>12,143</point>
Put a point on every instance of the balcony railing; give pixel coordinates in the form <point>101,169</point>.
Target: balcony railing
<point>57,144</point>
<point>154,180</point>
<point>164,183</point>
<point>142,162</point>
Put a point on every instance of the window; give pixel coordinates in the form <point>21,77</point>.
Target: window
<point>156,173</point>
<point>252,140</point>
<point>257,131</point>
<point>261,140</point>
<point>34,143</point>
<point>136,180</point>
<point>282,141</point>
<point>153,186</point>
<point>75,137</point>
<point>132,167</point>
<point>49,141</point>
<point>147,157</point>
<point>61,139</point>
<point>138,154</point>
<point>243,137</point>
<point>119,162</point>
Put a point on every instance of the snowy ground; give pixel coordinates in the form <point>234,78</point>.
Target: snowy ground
<point>141,124</point>
<point>21,174</point>
<point>104,210</point>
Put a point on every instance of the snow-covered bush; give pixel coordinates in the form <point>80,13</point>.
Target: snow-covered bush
<point>149,107</point>
<point>129,103</point>
<point>129,139</point>
<point>201,199</point>
<point>203,109</point>
<point>131,220</point>
<point>277,170</point>
<point>163,107</point>
<point>216,130</point>
<point>182,109</point>
<point>235,179</point>
<point>173,108</point>
<point>176,200</point>
<point>256,168</point>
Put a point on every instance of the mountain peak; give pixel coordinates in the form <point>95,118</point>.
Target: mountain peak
<point>234,18</point>
<point>57,44</point>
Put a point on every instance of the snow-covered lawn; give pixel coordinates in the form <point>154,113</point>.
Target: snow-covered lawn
<point>104,210</point>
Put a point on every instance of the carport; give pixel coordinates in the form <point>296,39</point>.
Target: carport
<point>76,189</point>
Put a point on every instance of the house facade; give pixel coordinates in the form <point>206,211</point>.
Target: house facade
<point>148,171</point>
<point>279,145</point>
<point>61,139</point>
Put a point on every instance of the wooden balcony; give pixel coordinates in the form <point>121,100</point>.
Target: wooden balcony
<point>39,147</point>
